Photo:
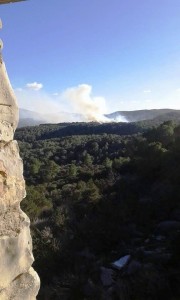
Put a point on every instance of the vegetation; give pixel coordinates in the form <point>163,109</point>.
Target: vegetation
<point>96,193</point>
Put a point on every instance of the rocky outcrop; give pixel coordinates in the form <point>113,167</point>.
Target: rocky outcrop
<point>18,280</point>
<point>8,107</point>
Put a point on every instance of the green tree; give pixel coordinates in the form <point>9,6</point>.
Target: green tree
<point>88,159</point>
<point>72,170</point>
<point>49,171</point>
<point>92,192</point>
<point>35,201</point>
<point>107,163</point>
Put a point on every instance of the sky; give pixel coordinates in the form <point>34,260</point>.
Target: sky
<point>123,53</point>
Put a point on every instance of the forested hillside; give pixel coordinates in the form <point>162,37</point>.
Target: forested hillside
<point>98,193</point>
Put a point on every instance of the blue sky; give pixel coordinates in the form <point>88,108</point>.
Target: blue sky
<point>128,51</point>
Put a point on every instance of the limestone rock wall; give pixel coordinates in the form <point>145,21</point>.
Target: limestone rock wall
<point>18,280</point>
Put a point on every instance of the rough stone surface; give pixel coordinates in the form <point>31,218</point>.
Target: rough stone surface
<point>8,106</point>
<point>12,186</point>
<point>23,287</point>
<point>107,276</point>
<point>18,280</point>
<point>9,1</point>
<point>16,253</point>
<point>121,263</point>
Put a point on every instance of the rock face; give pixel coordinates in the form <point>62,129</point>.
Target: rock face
<point>18,280</point>
<point>8,107</point>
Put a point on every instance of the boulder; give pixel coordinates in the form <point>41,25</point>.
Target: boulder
<point>23,287</point>
<point>133,267</point>
<point>107,276</point>
<point>122,262</point>
<point>168,227</point>
<point>8,106</point>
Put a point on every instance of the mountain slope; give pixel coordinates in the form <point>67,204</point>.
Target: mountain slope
<point>140,115</point>
<point>154,116</point>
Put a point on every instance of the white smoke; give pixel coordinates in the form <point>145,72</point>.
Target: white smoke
<point>119,119</point>
<point>89,107</point>
<point>75,104</point>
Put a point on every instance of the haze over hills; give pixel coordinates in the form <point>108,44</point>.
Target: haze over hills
<point>140,115</point>
<point>31,118</point>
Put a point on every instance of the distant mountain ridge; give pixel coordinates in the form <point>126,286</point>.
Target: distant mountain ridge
<point>145,114</point>
<point>31,118</point>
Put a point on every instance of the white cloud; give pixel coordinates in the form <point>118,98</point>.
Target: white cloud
<point>35,86</point>
<point>178,90</point>
<point>134,101</point>
<point>147,91</point>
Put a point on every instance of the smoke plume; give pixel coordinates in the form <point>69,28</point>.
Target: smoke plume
<point>76,104</point>
<point>89,107</point>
